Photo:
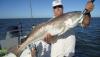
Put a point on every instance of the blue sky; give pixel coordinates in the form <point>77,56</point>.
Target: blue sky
<point>40,8</point>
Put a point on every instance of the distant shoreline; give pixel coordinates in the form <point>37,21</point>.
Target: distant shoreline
<point>34,18</point>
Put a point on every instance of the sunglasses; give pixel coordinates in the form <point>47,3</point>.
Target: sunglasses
<point>58,6</point>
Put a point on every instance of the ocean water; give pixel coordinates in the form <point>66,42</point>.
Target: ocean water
<point>87,40</point>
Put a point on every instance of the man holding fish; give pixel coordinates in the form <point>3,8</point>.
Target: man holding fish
<point>65,44</point>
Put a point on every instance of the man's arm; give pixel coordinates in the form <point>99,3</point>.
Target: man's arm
<point>87,16</point>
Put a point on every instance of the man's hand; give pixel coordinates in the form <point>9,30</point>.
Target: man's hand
<point>89,7</point>
<point>33,52</point>
<point>48,38</point>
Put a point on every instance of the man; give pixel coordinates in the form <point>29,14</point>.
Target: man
<point>65,46</point>
<point>66,43</point>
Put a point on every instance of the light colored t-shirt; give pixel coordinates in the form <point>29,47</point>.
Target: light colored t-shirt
<point>65,45</point>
